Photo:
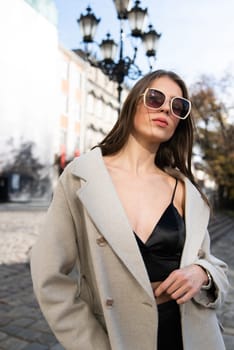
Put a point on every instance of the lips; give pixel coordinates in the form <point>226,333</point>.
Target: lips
<point>161,122</point>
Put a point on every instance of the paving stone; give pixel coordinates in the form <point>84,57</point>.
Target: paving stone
<point>57,347</point>
<point>22,311</point>
<point>228,339</point>
<point>23,322</point>
<point>2,336</point>
<point>4,319</point>
<point>42,338</point>
<point>12,343</point>
<point>4,307</point>
<point>36,346</point>
<point>41,325</point>
<point>11,330</point>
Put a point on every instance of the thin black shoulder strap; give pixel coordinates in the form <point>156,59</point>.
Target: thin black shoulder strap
<point>173,194</point>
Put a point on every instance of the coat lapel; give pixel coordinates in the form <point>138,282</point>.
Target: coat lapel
<point>196,222</point>
<point>99,197</point>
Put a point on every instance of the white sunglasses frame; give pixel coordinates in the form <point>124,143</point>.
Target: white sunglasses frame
<point>170,103</point>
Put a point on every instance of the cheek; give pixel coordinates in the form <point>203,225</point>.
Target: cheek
<point>173,126</point>
<point>140,118</point>
<point>176,122</point>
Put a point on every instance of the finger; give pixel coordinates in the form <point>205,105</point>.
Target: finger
<point>164,286</point>
<point>171,283</point>
<point>180,292</point>
<point>183,282</point>
<point>177,285</point>
<point>184,298</point>
<point>184,294</point>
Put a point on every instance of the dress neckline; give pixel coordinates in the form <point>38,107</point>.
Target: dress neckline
<point>171,204</point>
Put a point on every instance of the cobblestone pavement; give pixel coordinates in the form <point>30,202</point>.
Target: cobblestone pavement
<point>22,326</point>
<point>222,241</point>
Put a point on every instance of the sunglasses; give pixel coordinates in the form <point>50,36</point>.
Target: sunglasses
<point>180,107</point>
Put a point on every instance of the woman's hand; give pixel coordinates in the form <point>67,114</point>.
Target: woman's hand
<point>182,284</point>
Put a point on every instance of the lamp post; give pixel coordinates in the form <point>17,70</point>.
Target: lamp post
<point>123,66</point>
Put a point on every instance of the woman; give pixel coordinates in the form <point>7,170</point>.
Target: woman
<point>131,219</point>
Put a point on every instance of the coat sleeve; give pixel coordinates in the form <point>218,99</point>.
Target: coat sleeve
<point>52,259</point>
<point>215,297</point>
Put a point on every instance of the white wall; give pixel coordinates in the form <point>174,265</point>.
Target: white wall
<point>28,78</point>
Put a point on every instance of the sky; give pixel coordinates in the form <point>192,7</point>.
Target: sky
<point>197,35</point>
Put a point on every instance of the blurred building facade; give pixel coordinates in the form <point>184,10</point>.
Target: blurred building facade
<point>88,104</point>
<point>53,105</point>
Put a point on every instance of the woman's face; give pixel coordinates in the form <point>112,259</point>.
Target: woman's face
<point>157,126</point>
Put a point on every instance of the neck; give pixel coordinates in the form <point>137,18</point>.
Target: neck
<point>136,157</point>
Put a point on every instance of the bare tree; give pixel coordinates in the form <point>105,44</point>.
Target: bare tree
<point>215,135</point>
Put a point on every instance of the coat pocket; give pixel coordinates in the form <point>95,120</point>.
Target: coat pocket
<point>85,291</point>
<point>100,317</point>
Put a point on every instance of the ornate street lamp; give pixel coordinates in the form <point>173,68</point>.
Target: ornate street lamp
<point>150,40</point>
<point>88,25</point>
<point>122,8</point>
<point>124,66</point>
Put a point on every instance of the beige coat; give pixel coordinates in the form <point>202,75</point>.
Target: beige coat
<point>109,303</point>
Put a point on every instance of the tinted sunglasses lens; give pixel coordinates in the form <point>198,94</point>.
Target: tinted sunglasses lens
<point>154,98</point>
<point>180,107</point>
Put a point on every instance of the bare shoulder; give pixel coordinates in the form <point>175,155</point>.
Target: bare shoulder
<point>179,198</point>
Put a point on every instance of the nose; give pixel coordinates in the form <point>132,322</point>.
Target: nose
<point>166,107</point>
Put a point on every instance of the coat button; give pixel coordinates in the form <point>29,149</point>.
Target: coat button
<point>101,241</point>
<point>201,254</point>
<point>109,302</point>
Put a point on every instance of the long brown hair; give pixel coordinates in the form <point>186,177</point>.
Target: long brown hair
<point>175,153</point>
